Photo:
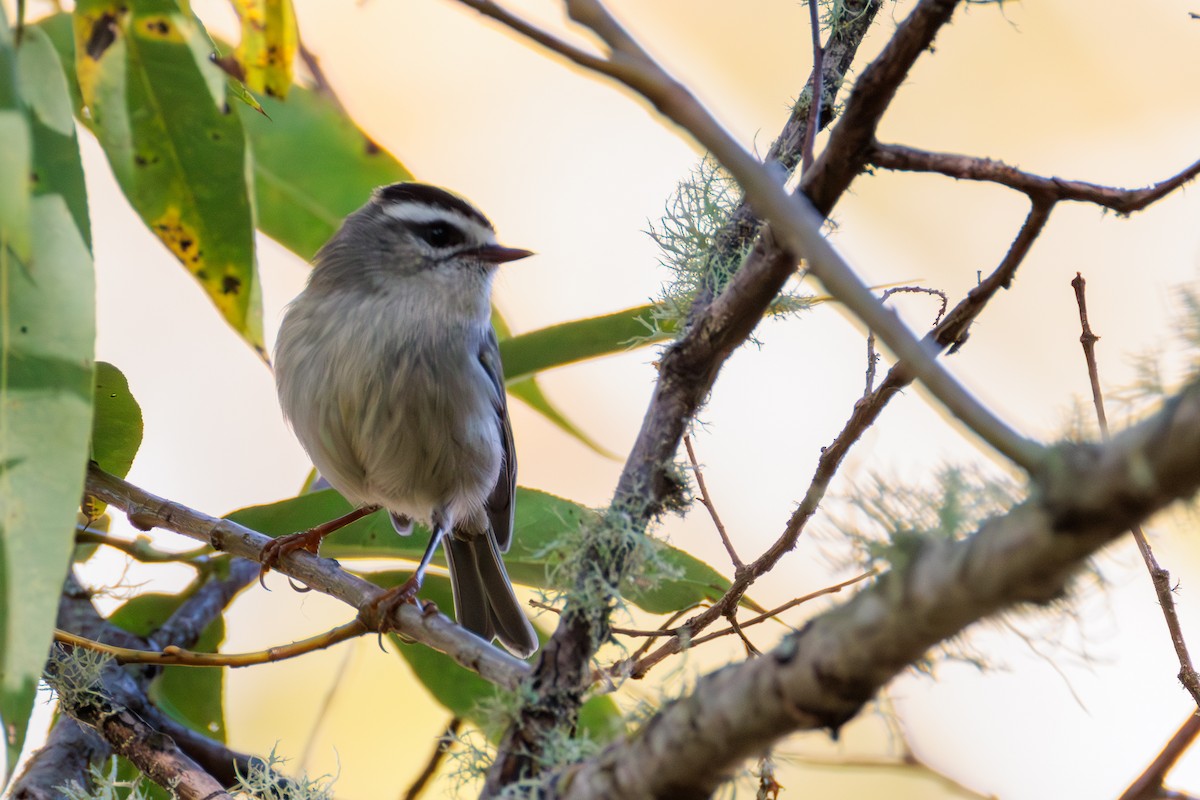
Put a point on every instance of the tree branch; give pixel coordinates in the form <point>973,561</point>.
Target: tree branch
<point>1148,785</point>
<point>1038,188</point>
<point>821,676</point>
<point>155,755</point>
<point>1160,578</point>
<point>950,333</point>
<point>689,368</point>
<point>65,758</point>
<point>430,628</point>
<point>172,655</point>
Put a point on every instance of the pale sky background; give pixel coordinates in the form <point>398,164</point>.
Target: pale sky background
<point>576,169</point>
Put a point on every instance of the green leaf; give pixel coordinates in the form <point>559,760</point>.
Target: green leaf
<point>47,91</point>
<point>160,110</point>
<point>528,390</point>
<point>299,208</point>
<point>578,340</point>
<point>47,330</point>
<point>117,423</point>
<point>312,167</point>
<point>541,520</point>
<point>268,46</point>
<point>16,154</point>
<point>193,696</point>
<point>61,33</point>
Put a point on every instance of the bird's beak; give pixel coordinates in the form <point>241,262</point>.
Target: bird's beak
<point>498,254</point>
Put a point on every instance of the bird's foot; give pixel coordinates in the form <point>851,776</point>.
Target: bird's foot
<point>309,540</point>
<point>276,549</point>
<point>384,606</point>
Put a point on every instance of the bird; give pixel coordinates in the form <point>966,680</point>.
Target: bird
<point>388,369</point>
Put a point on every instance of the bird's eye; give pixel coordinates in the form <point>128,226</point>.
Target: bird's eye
<point>440,234</point>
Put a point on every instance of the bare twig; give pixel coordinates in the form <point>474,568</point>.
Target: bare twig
<point>1088,340</point>
<point>814,108</point>
<point>790,604</point>
<point>321,83</point>
<point>142,550</point>
<point>1159,577</point>
<point>336,681</point>
<point>707,500</point>
<point>907,761</point>
<point>428,627</point>
<point>667,628</point>
<point>178,656</point>
<point>1038,188</point>
<point>1147,786</point>
<point>872,356</point>
<point>443,746</point>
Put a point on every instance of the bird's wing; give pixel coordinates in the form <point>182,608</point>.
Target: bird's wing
<point>500,505</point>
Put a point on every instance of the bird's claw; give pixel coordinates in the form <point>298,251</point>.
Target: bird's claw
<point>384,606</point>
<point>279,547</point>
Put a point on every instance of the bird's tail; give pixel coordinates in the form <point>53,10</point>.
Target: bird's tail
<point>484,602</point>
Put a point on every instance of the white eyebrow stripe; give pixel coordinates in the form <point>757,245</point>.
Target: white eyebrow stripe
<point>420,213</point>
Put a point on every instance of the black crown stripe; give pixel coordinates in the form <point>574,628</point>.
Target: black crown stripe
<point>431,196</point>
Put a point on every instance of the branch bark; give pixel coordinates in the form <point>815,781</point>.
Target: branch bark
<point>433,629</point>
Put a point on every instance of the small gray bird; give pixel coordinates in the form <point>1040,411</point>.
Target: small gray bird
<point>388,369</point>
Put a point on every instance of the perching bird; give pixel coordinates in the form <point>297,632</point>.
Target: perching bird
<point>389,371</point>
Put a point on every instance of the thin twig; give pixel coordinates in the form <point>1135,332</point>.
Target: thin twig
<point>814,107</point>
<point>623,667</point>
<point>751,650</point>
<point>1147,785</point>
<point>872,356</point>
<point>707,500</point>
<point>906,761</point>
<point>141,548</point>
<point>186,625</point>
<point>180,657</point>
<point>790,604</point>
<point>441,749</point>
<point>1159,577</point>
<point>321,83</point>
<point>1037,187</point>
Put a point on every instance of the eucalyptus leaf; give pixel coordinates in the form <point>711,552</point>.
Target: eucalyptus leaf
<point>557,345</point>
<point>47,331</point>
<point>312,167</point>
<point>268,45</point>
<point>117,422</point>
<point>160,111</point>
<point>47,315</point>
